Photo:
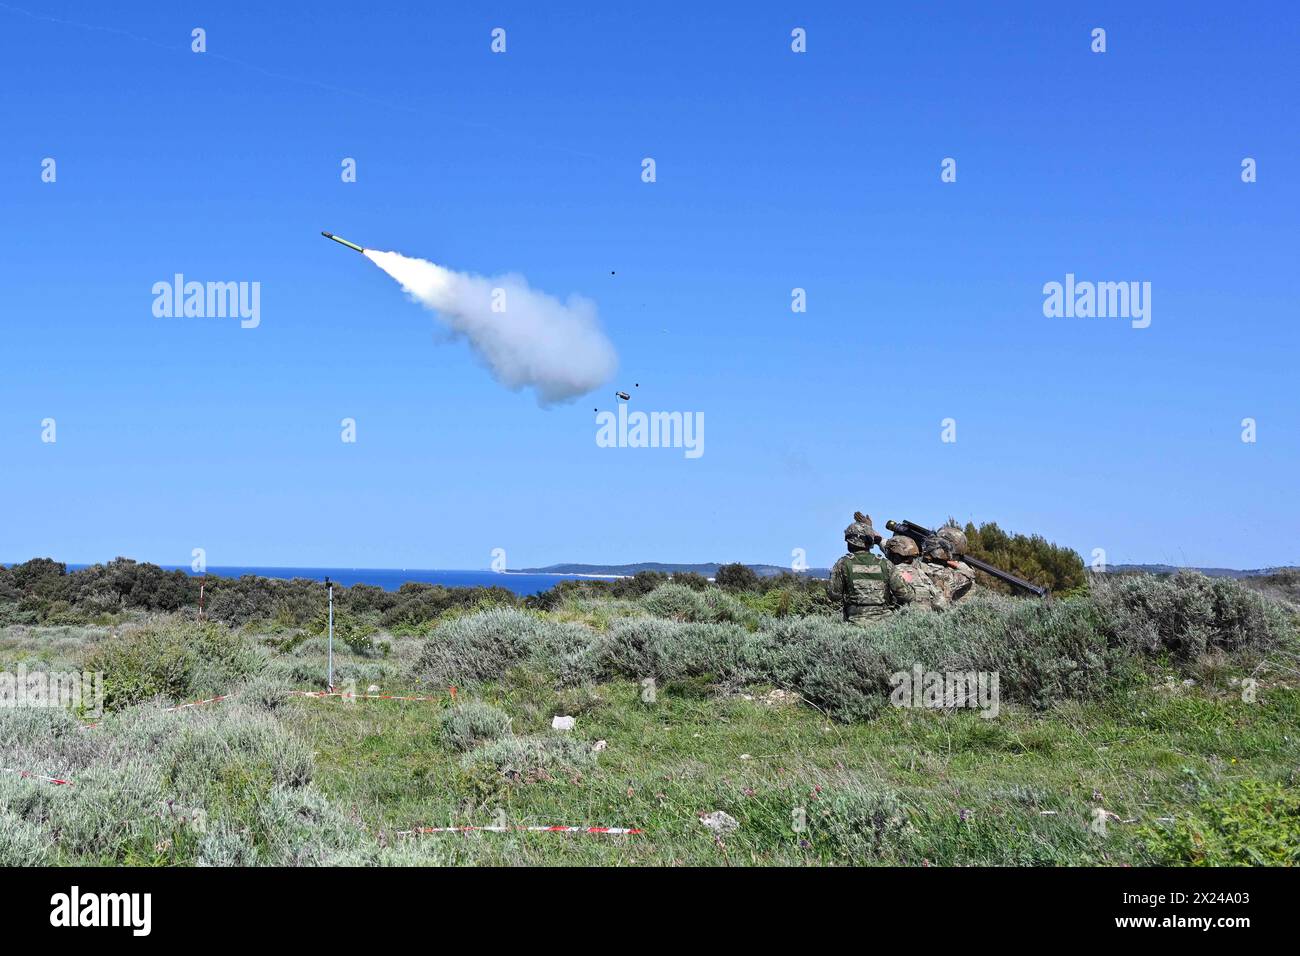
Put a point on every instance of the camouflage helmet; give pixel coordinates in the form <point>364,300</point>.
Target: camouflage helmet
<point>901,546</point>
<point>955,537</point>
<point>861,534</point>
<point>937,548</point>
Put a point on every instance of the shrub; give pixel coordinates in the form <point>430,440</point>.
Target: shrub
<point>22,844</point>
<point>859,825</point>
<point>529,759</point>
<point>720,607</point>
<point>467,725</point>
<point>1283,585</point>
<point>110,814</point>
<point>692,580</point>
<point>680,603</point>
<point>779,653</point>
<point>299,826</point>
<point>145,779</point>
<point>237,757</point>
<point>567,651</point>
<point>667,650</point>
<point>1252,824</point>
<point>224,845</point>
<point>483,646</point>
<point>416,604</point>
<point>478,647</point>
<point>795,601</point>
<point>1044,652</point>
<point>674,601</point>
<point>736,577</point>
<point>356,632</point>
<point>1188,614</point>
<point>175,659</point>
<point>845,671</point>
<point>267,690</point>
<point>639,584</point>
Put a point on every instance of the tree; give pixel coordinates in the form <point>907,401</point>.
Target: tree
<point>1031,557</point>
<point>736,577</point>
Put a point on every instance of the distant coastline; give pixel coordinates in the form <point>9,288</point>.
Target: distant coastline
<point>567,574</point>
<point>522,583</point>
<point>529,581</point>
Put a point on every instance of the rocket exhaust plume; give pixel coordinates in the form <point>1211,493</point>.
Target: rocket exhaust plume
<point>526,337</point>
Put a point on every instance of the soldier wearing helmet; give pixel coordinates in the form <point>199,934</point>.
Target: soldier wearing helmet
<point>942,552</point>
<point>864,584</point>
<point>955,537</point>
<point>912,581</point>
<point>901,549</point>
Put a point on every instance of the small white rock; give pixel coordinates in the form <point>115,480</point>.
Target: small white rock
<point>746,757</point>
<point>562,723</point>
<point>372,689</point>
<point>719,822</point>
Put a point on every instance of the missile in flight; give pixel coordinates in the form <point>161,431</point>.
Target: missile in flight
<point>350,245</point>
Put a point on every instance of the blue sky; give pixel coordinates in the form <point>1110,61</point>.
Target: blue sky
<point>775,170</point>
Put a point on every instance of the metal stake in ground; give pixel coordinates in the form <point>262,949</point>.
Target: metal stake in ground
<point>330,679</point>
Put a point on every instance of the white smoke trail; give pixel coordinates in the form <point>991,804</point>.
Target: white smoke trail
<point>528,339</point>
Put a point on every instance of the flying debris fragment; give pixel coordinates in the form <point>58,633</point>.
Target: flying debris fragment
<point>340,239</point>
<point>624,395</point>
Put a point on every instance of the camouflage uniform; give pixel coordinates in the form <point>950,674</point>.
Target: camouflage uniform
<point>954,580</point>
<point>910,580</point>
<point>862,582</point>
<point>952,576</point>
<point>916,584</point>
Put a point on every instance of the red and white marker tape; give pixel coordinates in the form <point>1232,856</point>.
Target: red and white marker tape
<point>171,710</point>
<point>197,703</point>
<point>612,831</point>
<point>37,776</point>
<point>335,693</point>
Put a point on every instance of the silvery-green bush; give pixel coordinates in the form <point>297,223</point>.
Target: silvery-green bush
<point>859,825</point>
<point>467,725</point>
<point>22,844</point>
<point>244,755</point>
<point>677,602</point>
<point>481,647</point>
<point>152,787</point>
<point>531,757</point>
<point>225,845</point>
<point>301,827</point>
<point>641,647</point>
<point>267,690</point>
<point>1188,614</point>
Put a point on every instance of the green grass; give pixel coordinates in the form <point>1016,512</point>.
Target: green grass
<point>1143,756</point>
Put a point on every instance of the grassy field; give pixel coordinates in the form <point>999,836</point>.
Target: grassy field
<point>1125,735</point>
